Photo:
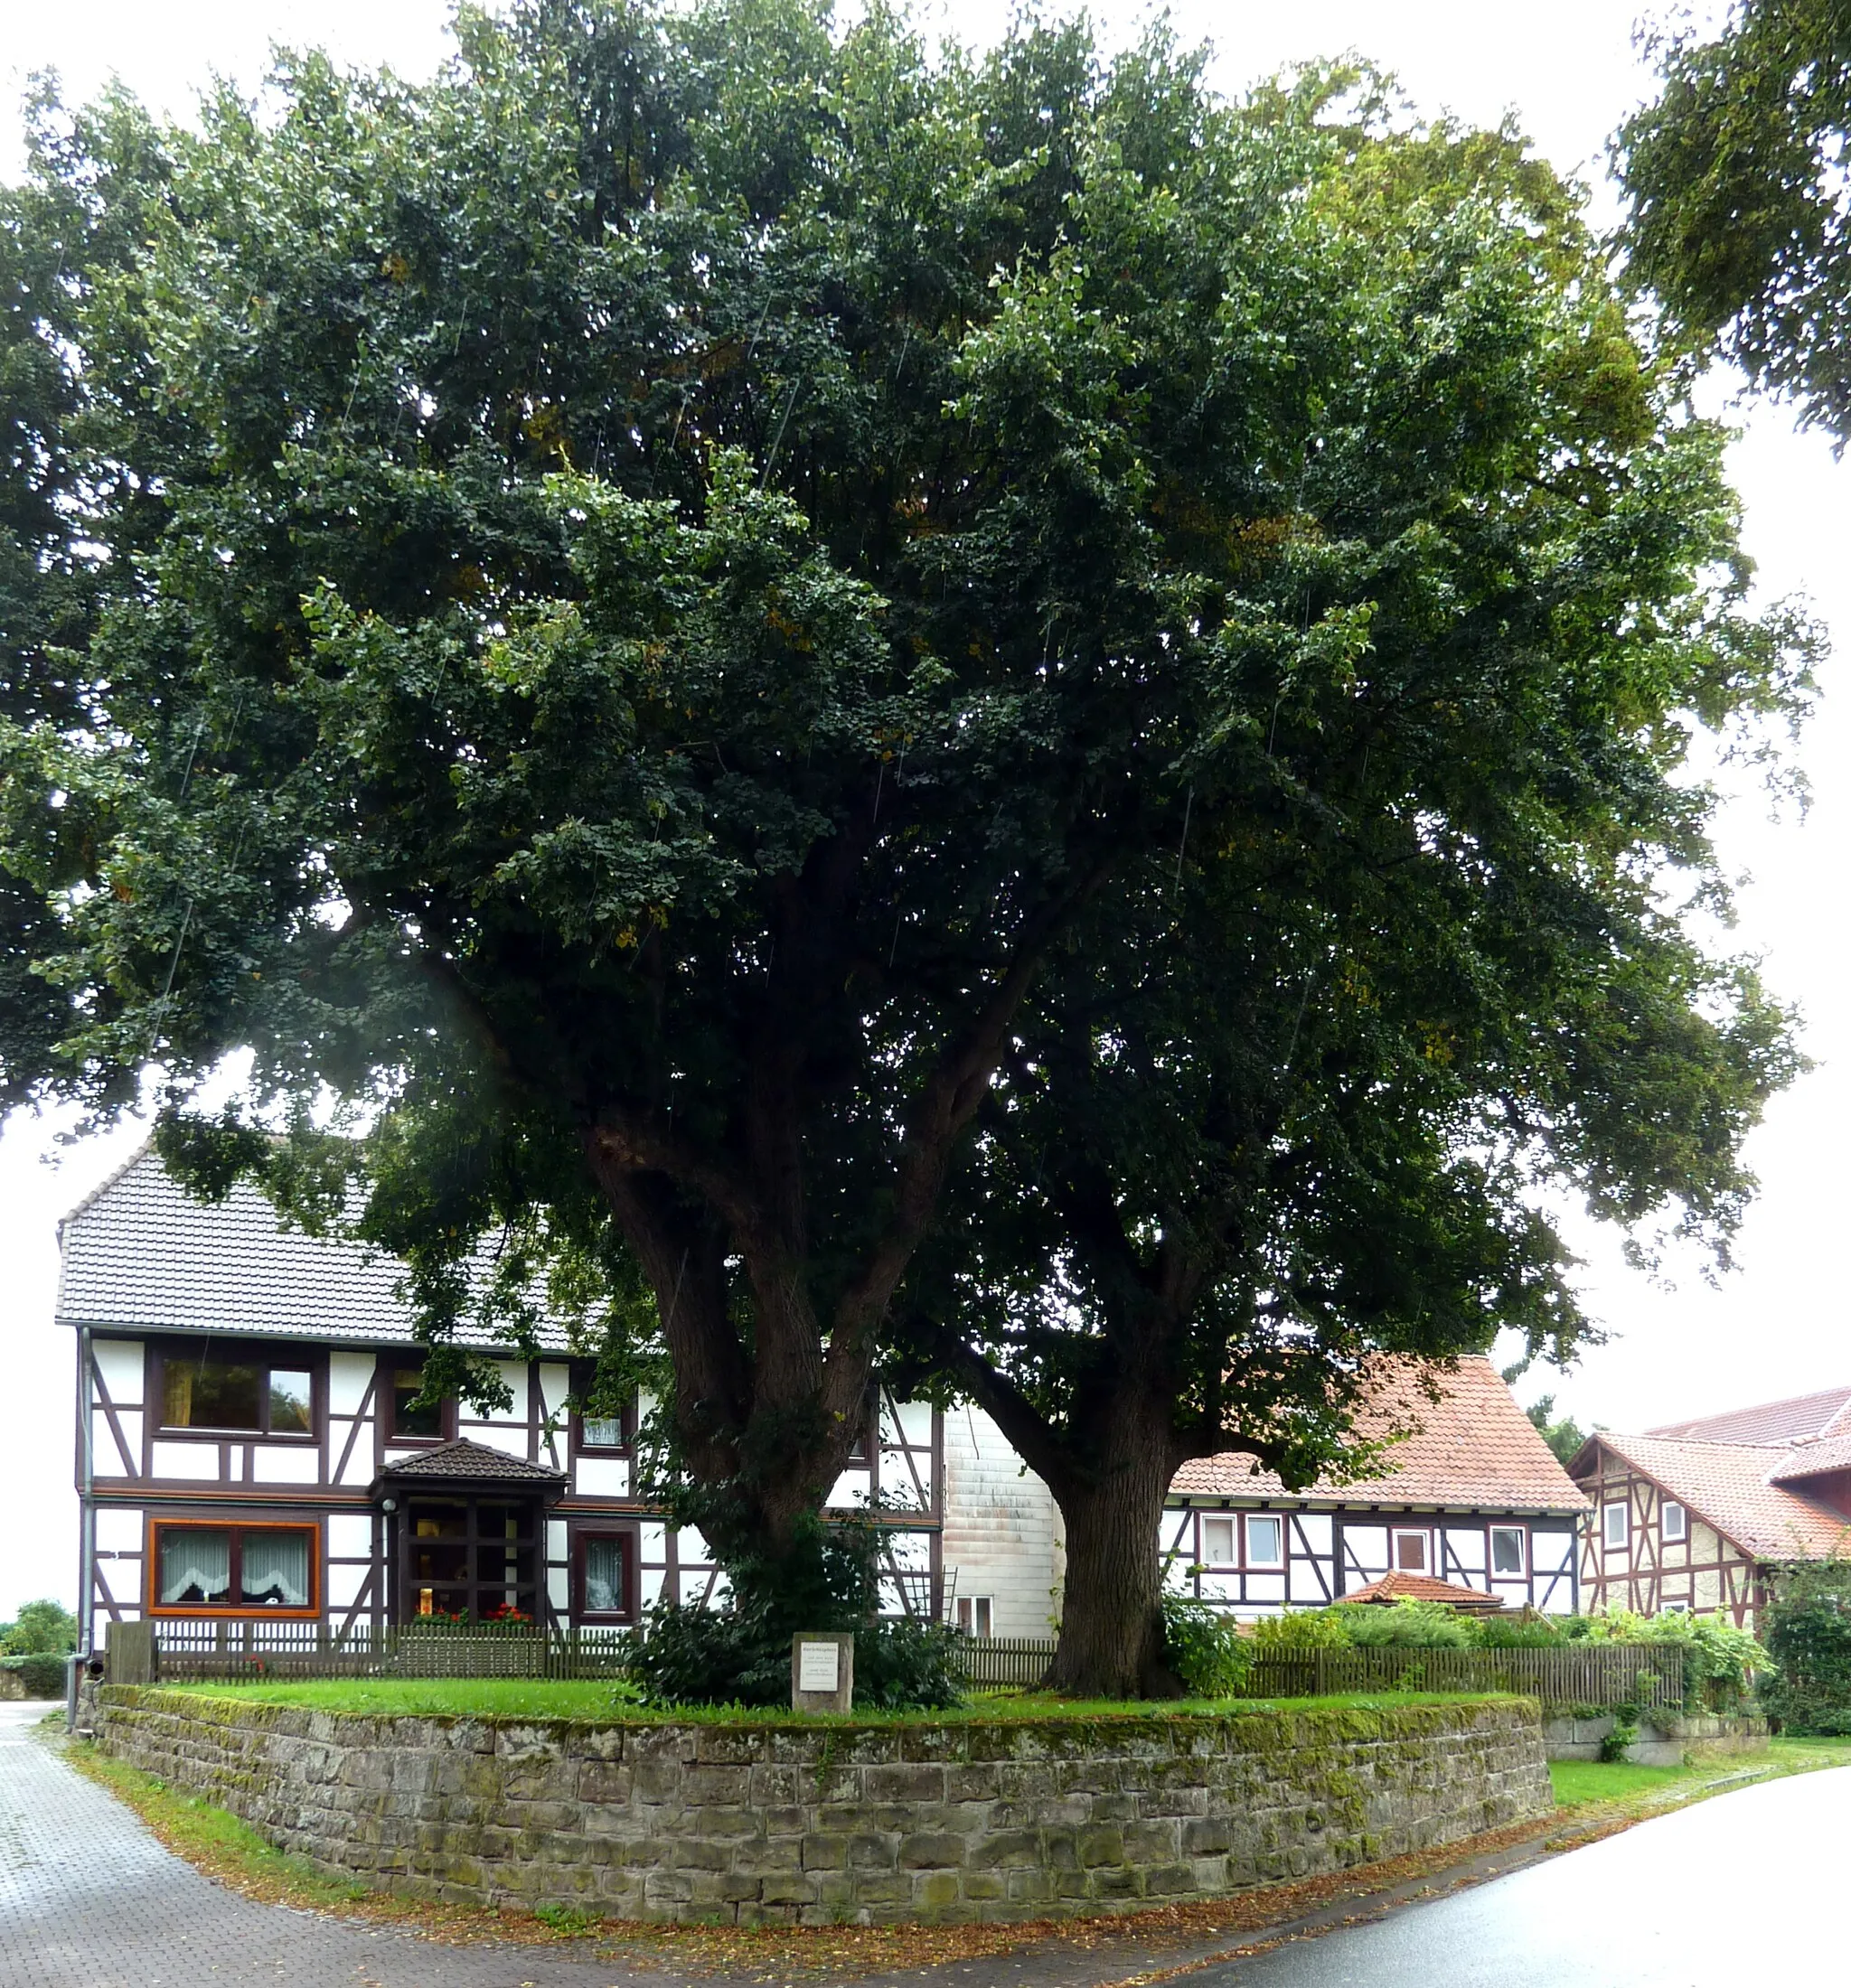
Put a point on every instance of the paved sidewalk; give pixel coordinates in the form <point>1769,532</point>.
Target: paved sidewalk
<point>89,1900</point>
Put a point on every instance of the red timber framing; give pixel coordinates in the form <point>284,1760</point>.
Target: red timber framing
<point>1705,1572</point>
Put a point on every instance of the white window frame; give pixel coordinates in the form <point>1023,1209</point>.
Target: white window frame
<point>1521,1570</point>
<point>1681,1537</point>
<point>1616,1539</point>
<point>976,1615</point>
<point>1400,1533</point>
<point>1277,1522</point>
<point>1674,1608</point>
<point>1232,1525</point>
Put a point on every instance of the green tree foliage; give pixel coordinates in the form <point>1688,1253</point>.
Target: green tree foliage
<point>43,1629</point>
<point>1282,1100</point>
<point>1809,1641</point>
<point>757,651</point>
<point>1736,178</point>
<point>1565,1436</point>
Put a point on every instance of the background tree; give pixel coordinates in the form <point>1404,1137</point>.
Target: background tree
<point>1290,1098</point>
<point>42,1628</point>
<point>1736,178</point>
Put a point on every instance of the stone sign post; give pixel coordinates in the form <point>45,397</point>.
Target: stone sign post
<point>823,1671</point>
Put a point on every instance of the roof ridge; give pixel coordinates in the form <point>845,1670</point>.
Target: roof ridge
<point>103,1186</point>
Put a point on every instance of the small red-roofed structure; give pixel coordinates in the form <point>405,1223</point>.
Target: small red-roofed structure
<point>1399,1587</point>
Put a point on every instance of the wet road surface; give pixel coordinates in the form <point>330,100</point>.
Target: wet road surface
<point>1751,1888</point>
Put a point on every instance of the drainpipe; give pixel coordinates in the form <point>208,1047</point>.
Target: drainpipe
<point>86,1523</point>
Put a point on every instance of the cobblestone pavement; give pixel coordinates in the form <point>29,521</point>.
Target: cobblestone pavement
<point>89,1900</point>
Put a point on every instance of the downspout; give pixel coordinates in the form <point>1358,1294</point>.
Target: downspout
<point>86,1516</point>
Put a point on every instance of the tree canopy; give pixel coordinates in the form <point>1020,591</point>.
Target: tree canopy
<point>849,696</point>
<point>1736,178</point>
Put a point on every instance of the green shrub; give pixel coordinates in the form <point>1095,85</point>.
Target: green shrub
<point>1404,1625</point>
<point>1810,1649</point>
<point>1299,1630</point>
<point>1205,1648</point>
<point>689,1656</point>
<point>1516,1633</point>
<point>42,1675</point>
<point>1720,1662</point>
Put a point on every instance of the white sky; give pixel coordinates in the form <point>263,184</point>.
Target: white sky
<point>1776,1327</point>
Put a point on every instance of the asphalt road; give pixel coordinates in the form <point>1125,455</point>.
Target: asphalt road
<point>1747,1888</point>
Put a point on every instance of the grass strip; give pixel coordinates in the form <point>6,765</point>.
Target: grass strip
<point>607,1704</point>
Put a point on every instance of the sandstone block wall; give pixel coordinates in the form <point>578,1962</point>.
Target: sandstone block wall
<point>816,1822</point>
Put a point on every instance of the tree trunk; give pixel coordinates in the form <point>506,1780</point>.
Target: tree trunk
<point>1111,1613</point>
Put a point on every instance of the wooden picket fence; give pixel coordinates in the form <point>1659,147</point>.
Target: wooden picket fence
<point>1602,1674</point>
<point>1004,1663</point>
<point>232,1650</point>
<point>1593,1674</point>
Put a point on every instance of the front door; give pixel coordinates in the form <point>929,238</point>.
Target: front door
<point>469,1558</point>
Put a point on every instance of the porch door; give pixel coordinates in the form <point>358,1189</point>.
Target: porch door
<point>475,1558</point>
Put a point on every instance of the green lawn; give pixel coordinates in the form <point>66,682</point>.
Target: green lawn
<point>1580,1782</point>
<point>603,1699</point>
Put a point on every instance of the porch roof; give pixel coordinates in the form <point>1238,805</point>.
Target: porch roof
<point>472,1463</point>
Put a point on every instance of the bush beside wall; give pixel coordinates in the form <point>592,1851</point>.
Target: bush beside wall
<point>799,1822</point>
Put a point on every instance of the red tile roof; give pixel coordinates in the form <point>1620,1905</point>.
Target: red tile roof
<point>1732,1486</point>
<point>1400,1585</point>
<point>1818,1459</point>
<point>1797,1420</point>
<point>1473,1448</point>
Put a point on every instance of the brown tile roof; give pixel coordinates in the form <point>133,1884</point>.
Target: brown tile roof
<point>477,1462</point>
<point>1818,1459</point>
<point>1473,1448</point>
<point>1796,1421</point>
<point>1731,1485</point>
<point>1400,1585</point>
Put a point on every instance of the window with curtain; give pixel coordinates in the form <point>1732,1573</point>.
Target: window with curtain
<point>195,1566</point>
<point>275,1571</point>
<point>235,1568</point>
<point>605,1573</point>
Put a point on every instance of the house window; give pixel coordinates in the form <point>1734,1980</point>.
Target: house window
<point>1672,1523</point>
<point>1265,1541</point>
<point>1613,1526</point>
<point>1411,1552</point>
<point>234,1570</point>
<point>609,1433</point>
<point>1507,1549</point>
<point>1217,1542</point>
<point>411,1421</point>
<point>247,1395</point>
<point>1675,1608</point>
<point>975,1615</point>
<point>607,1573</point>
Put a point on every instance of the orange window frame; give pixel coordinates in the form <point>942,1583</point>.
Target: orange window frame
<point>226,1610</point>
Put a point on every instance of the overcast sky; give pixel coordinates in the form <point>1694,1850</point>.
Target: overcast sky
<point>1570,73</point>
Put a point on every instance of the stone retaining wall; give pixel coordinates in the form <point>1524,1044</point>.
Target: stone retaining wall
<point>1665,1740</point>
<point>955,1820</point>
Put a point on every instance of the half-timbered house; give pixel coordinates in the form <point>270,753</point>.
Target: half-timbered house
<point>250,1442</point>
<point>1691,1517</point>
<point>1467,1492</point>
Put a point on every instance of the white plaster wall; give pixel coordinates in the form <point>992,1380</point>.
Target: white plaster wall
<point>1002,1529</point>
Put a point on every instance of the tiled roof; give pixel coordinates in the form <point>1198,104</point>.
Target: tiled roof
<point>1731,1485</point>
<point>141,1254</point>
<point>477,1462</point>
<point>1474,1448</point>
<point>1399,1586</point>
<point>1815,1459</point>
<point>1797,1420</point>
